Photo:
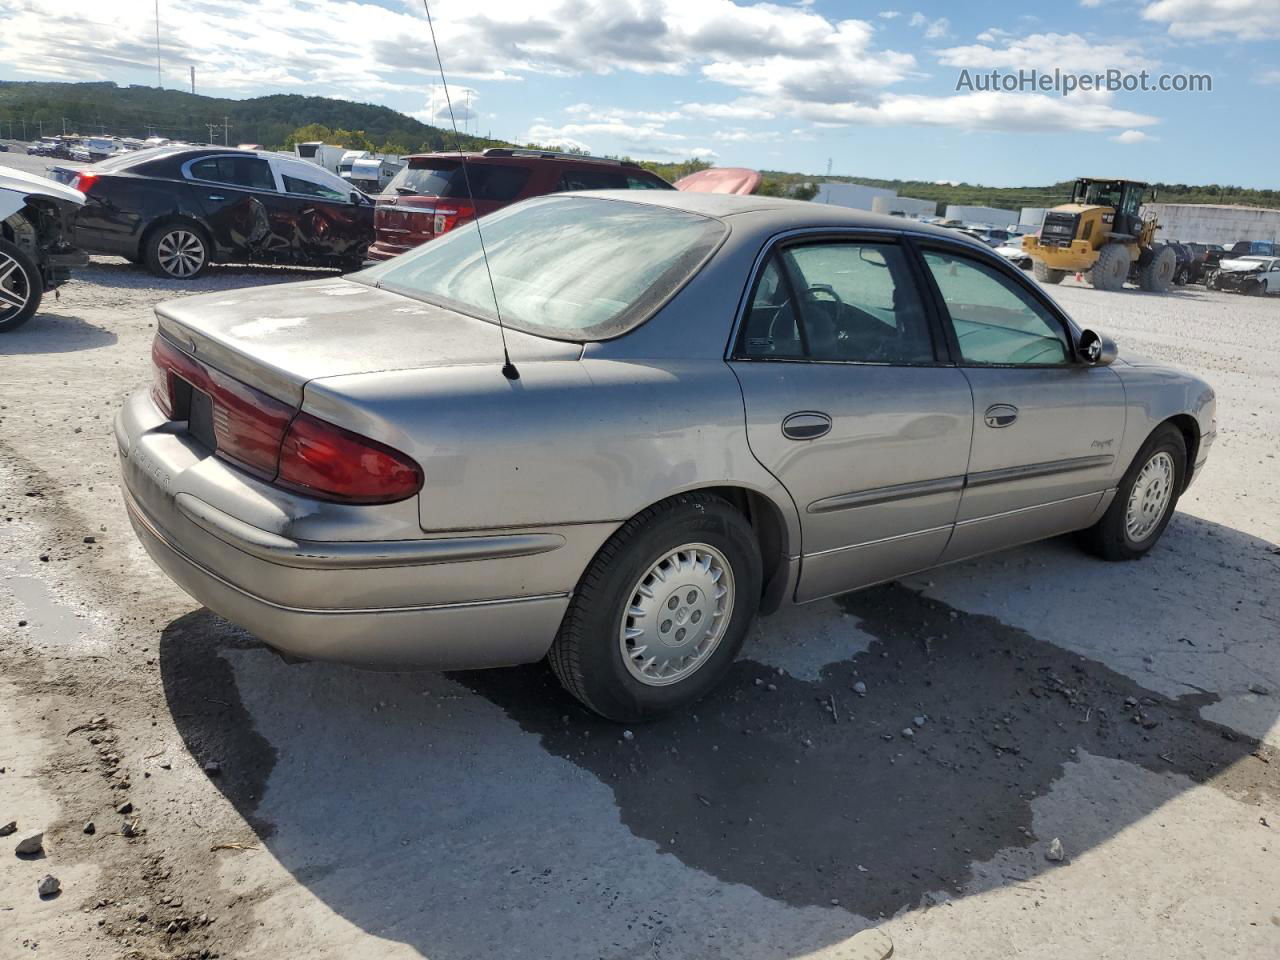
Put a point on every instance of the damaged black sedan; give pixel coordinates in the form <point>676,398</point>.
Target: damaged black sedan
<point>36,252</point>
<point>177,209</point>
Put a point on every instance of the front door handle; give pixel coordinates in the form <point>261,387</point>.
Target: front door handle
<point>1000,415</point>
<point>216,196</point>
<point>806,425</point>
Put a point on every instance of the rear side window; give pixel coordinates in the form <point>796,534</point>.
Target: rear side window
<point>308,188</point>
<point>852,302</point>
<point>489,181</point>
<point>572,268</point>
<point>251,172</point>
<point>995,321</point>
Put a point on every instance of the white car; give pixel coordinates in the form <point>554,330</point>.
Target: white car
<point>1254,274</point>
<point>1012,251</point>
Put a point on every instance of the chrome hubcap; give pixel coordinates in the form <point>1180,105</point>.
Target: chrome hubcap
<point>15,287</point>
<point>1149,498</point>
<point>181,253</point>
<point>678,613</point>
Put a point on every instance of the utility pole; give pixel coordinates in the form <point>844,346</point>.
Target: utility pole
<point>64,126</point>
<point>159,79</point>
<point>211,127</point>
<point>24,128</point>
<point>193,78</point>
<point>225,127</point>
<point>40,125</point>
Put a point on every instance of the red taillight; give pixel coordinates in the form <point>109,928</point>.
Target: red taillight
<point>322,460</point>
<point>247,424</point>
<point>450,214</point>
<point>84,181</point>
<point>266,437</point>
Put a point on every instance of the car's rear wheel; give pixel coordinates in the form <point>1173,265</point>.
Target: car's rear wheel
<point>662,610</point>
<point>1144,501</point>
<point>21,287</point>
<point>178,251</point>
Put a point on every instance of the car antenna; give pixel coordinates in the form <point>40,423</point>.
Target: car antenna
<point>508,368</point>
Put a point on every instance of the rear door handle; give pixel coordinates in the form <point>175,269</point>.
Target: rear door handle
<point>1000,415</point>
<point>806,425</point>
<point>216,196</point>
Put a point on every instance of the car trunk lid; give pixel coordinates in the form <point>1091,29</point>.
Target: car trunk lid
<point>276,338</point>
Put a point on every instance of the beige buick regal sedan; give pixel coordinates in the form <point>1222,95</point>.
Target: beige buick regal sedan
<point>716,405</point>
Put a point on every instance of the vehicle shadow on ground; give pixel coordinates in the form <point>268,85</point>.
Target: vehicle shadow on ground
<point>53,332</point>
<point>489,804</point>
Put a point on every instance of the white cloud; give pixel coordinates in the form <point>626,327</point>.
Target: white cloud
<point>933,29</point>
<point>1044,51</point>
<point>648,136</point>
<point>740,135</point>
<point>703,153</point>
<point>889,14</point>
<point>1014,112</point>
<point>1268,77</point>
<point>1133,136</point>
<point>738,110</point>
<point>614,114</point>
<point>1206,19</point>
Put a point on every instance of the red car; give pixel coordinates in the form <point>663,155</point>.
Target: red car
<point>430,197</point>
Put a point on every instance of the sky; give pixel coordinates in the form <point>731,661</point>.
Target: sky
<point>864,89</point>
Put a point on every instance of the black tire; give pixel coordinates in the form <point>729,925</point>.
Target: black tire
<point>587,653</point>
<point>1111,269</point>
<point>1046,274</point>
<point>1109,538</point>
<point>1156,273</point>
<point>22,288</point>
<point>177,235</point>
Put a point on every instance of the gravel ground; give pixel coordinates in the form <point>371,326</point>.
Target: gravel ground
<point>1127,711</point>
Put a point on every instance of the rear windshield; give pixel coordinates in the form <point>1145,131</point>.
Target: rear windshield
<point>444,178</point>
<point>570,268</point>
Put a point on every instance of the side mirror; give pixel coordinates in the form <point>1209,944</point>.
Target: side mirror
<point>1096,349</point>
<point>357,197</point>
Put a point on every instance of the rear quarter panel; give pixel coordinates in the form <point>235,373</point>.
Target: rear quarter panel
<point>568,442</point>
<point>119,208</point>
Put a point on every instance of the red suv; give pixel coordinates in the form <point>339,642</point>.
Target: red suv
<point>429,196</point>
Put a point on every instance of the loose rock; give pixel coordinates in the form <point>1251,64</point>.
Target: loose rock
<point>1055,852</point>
<point>860,688</point>
<point>31,845</point>
<point>48,886</point>
<point>124,808</point>
<point>628,735</point>
<point>920,721</point>
<point>908,732</point>
<point>89,828</point>
<point>1259,689</point>
<point>8,828</point>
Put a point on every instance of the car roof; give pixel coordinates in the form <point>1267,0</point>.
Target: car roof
<point>776,211</point>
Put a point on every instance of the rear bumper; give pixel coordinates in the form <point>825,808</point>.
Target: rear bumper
<point>255,556</point>
<point>383,250</point>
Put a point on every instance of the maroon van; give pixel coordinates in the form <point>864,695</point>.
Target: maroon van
<point>429,196</point>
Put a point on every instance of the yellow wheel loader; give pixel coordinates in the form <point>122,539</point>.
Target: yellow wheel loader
<point>1102,235</point>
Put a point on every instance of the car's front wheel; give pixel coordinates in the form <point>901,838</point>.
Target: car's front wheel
<point>662,610</point>
<point>178,251</point>
<point>21,287</point>
<point>1144,501</point>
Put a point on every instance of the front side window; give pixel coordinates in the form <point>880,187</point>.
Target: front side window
<point>309,188</point>
<point>253,173</point>
<point>852,302</point>
<point>995,322</point>
<point>573,268</point>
